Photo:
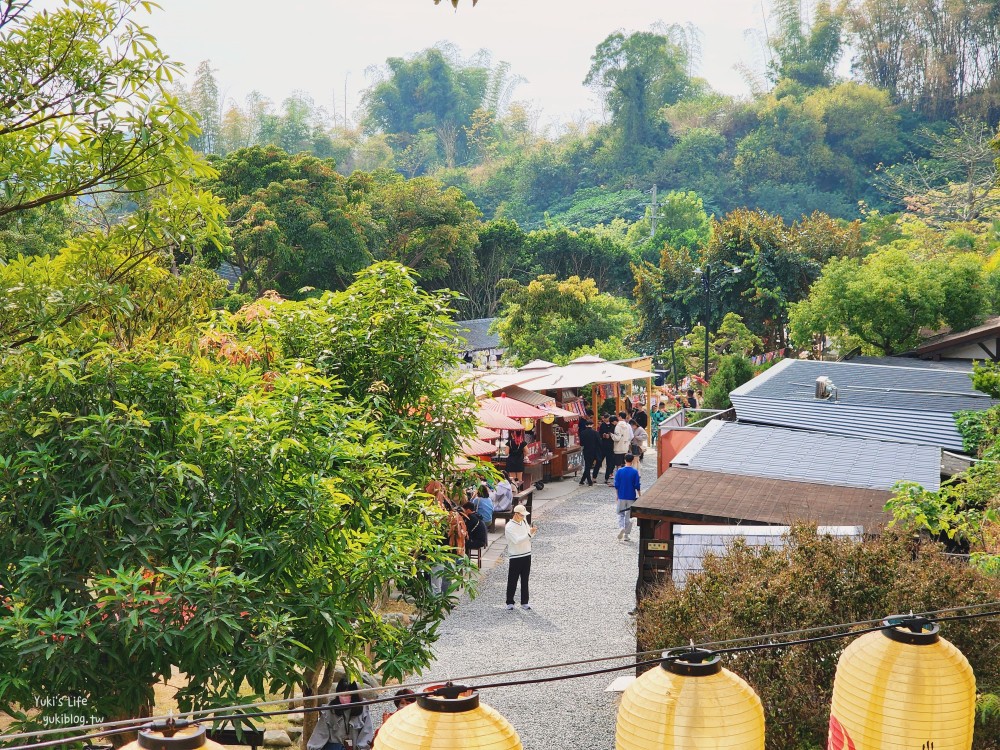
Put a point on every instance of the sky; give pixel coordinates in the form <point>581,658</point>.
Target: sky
<point>319,45</point>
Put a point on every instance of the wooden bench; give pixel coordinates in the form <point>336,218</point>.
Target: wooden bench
<point>524,497</point>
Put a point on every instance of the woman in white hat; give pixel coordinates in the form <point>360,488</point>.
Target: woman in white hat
<point>518,535</point>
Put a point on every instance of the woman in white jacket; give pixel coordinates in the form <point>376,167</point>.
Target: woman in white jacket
<point>518,535</point>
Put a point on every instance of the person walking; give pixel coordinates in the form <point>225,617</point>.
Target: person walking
<point>628,488</point>
<point>519,535</point>
<point>639,440</point>
<point>591,442</point>
<point>622,439</point>
<point>640,416</point>
<point>606,431</point>
<point>657,418</point>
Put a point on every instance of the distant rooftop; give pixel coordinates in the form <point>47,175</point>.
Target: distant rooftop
<point>903,404</point>
<point>984,338</point>
<point>814,457</point>
<point>683,495</point>
<point>477,337</point>
<point>882,386</point>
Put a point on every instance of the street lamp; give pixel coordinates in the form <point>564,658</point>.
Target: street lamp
<point>706,285</point>
<point>672,333</point>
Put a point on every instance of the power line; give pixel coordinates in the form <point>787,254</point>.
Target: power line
<point>871,626</point>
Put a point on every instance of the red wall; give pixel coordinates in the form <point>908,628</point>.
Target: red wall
<point>669,444</point>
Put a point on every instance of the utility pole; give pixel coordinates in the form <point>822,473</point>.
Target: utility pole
<point>653,215</point>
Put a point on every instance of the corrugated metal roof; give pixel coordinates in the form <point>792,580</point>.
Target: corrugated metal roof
<point>815,457</point>
<point>905,404</point>
<point>476,334</point>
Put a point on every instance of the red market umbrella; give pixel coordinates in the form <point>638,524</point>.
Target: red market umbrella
<point>497,421</point>
<point>485,433</point>
<point>474,447</point>
<point>512,408</point>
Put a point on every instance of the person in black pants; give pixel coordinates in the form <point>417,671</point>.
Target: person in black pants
<point>519,534</point>
<point>591,442</point>
<point>606,430</point>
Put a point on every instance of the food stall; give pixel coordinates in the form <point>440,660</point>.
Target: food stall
<point>605,380</point>
<point>559,432</point>
<point>536,456</point>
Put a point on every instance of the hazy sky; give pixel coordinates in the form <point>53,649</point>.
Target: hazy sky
<point>282,45</point>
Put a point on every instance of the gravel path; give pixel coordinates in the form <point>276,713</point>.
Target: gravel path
<point>582,588</point>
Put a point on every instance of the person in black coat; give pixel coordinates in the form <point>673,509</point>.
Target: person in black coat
<point>476,527</point>
<point>641,418</point>
<point>590,439</point>
<point>606,430</point>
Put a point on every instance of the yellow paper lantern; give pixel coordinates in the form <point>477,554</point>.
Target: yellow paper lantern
<point>454,720</point>
<point>549,418</point>
<point>903,687</point>
<point>690,703</point>
<point>162,737</point>
<point>527,423</point>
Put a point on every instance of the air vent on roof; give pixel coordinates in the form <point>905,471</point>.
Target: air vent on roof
<point>825,389</point>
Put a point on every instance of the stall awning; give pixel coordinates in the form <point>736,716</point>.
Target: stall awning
<point>529,397</point>
<point>512,408</point>
<point>497,421</point>
<point>474,447</point>
<point>583,372</point>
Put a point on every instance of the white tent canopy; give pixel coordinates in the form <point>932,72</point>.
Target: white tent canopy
<point>585,371</point>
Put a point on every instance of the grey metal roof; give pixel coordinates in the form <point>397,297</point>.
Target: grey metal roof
<point>906,404</point>
<point>476,334</point>
<point>953,365</point>
<point>815,457</point>
<point>230,273</point>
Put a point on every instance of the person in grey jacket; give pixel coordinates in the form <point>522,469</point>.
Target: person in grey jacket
<point>344,726</point>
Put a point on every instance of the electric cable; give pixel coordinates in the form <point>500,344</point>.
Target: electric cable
<point>129,725</point>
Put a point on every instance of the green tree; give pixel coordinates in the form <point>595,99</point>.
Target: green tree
<point>734,338</point>
<point>84,105</point>
<point>499,254</point>
<point>239,509</point>
<point>815,580</point>
<point>681,222</point>
<point>430,91</point>
<point>584,253</point>
<point>774,271</point>
<point>548,319</point>
<point>732,372</point>
<point>202,101</point>
<point>419,223</point>
<point>806,53</point>
<point>637,74</point>
<point>291,221</point>
<point>884,300</point>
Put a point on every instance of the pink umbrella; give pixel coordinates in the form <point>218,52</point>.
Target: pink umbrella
<point>485,433</point>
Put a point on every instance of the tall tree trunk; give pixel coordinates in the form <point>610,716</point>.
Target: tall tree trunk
<point>316,681</point>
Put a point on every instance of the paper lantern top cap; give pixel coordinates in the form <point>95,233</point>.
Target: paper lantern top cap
<point>694,662</point>
<point>916,631</point>
<point>449,699</point>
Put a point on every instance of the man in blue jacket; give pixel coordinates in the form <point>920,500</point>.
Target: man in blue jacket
<point>627,485</point>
